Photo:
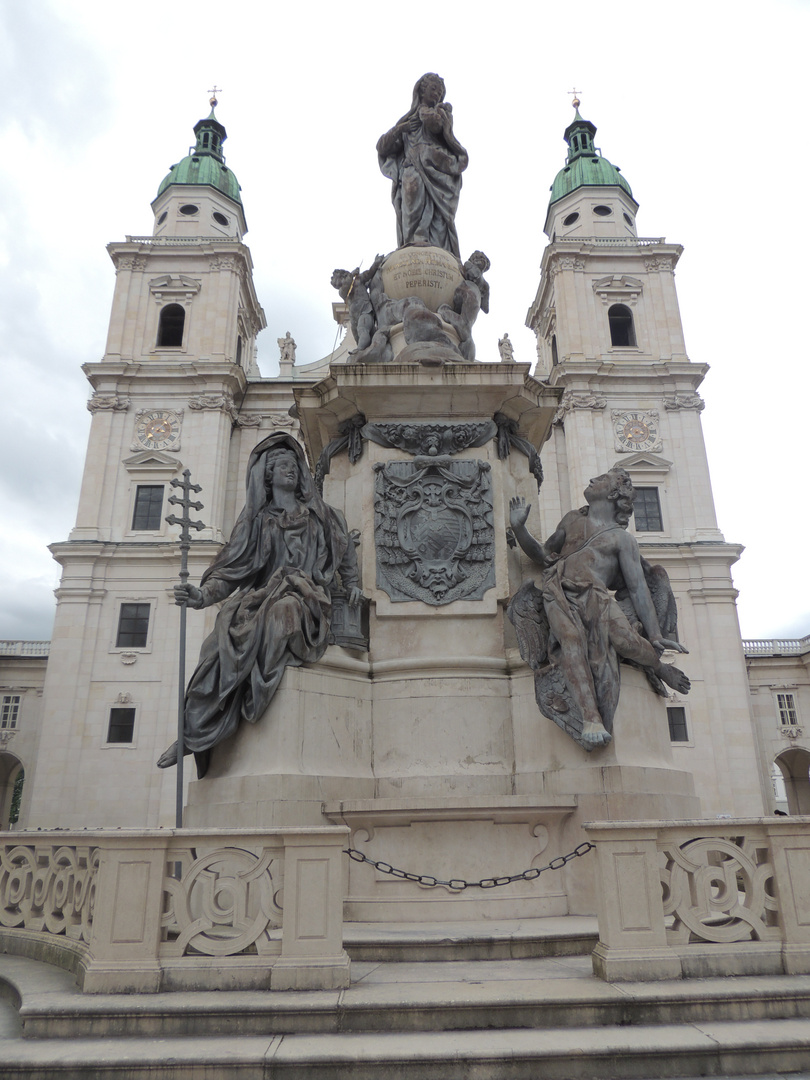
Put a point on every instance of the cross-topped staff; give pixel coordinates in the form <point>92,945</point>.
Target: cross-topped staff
<point>185,524</point>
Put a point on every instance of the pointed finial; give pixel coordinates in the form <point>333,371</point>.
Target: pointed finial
<point>213,93</point>
<point>576,102</point>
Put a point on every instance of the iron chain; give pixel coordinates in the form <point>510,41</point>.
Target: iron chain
<point>459,883</point>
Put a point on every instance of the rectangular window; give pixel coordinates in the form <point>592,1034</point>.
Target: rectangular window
<point>786,704</point>
<point>122,726</point>
<point>647,510</point>
<point>148,507</point>
<point>678,732</point>
<point>133,625</point>
<point>10,711</point>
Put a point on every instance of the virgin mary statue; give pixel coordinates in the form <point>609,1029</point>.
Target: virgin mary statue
<point>277,571</point>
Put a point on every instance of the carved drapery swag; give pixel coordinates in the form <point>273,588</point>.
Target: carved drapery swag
<point>430,440</point>
<point>434,530</point>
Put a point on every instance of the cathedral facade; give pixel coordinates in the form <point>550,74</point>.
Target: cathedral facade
<point>179,389</point>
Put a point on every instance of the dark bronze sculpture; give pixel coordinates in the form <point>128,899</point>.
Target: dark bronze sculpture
<point>573,631</point>
<point>280,565</point>
<point>424,161</point>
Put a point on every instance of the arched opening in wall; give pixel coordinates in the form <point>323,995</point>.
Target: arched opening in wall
<point>554,357</point>
<point>622,331</point>
<point>239,349</point>
<point>794,765</point>
<point>171,325</point>
<point>12,776</point>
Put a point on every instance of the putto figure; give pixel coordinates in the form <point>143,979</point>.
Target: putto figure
<point>424,161</point>
<point>573,631</point>
<point>280,565</point>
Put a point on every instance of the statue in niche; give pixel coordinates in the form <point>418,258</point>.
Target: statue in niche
<point>506,350</point>
<point>280,564</point>
<point>572,631</point>
<point>424,161</point>
<point>471,296</point>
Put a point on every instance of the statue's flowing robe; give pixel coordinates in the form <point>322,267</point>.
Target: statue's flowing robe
<point>282,565</point>
<point>426,181</point>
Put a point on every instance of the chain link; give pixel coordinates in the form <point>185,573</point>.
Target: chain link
<point>459,884</point>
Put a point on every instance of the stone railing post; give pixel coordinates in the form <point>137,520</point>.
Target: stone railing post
<point>127,910</point>
<point>632,932</point>
<point>789,842</point>
<point>312,953</point>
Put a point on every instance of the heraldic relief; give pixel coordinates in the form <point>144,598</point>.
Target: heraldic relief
<point>433,529</point>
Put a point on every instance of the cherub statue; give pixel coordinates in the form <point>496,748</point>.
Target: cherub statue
<point>470,297</point>
<point>353,289</point>
<point>572,631</point>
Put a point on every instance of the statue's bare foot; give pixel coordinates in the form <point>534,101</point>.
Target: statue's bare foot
<point>595,734</point>
<point>674,677</point>
<point>168,757</point>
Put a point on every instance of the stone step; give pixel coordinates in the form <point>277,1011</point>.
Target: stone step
<point>538,994</point>
<point>611,1053</point>
<point>506,939</point>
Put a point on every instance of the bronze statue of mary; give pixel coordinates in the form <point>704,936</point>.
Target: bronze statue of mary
<point>424,161</point>
<point>276,571</point>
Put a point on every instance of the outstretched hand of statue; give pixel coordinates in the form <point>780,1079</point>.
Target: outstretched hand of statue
<point>519,511</point>
<point>189,595</point>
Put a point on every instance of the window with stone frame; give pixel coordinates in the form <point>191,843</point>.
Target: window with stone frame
<point>133,626</point>
<point>10,711</point>
<point>647,510</point>
<point>121,727</point>
<point>148,508</point>
<point>786,706</point>
<point>676,718</point>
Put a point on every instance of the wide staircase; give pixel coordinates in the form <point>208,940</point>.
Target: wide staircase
<point>486,1001</point>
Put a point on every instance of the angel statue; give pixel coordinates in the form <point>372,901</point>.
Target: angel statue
<point>278,571</point>
<point>572,631</point>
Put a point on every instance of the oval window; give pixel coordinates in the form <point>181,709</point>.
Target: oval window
<point>220,219</point>
<point>571,219</point>
<point>628,219</point>
<point>602,211</point>
<point>162,217</point>
<point>189,208</point>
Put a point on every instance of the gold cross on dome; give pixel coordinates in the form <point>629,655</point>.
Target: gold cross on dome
<point>213,93</point>
<point>576,102</point>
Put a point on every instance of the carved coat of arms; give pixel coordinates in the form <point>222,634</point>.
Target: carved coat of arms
<point>433,529</point>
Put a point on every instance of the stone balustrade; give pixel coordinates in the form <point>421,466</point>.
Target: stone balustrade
<point>776,646</point>
<point>701,898</point>
<point>142,911</point>
<point>25,648</point>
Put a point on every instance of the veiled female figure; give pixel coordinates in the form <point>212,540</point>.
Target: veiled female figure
<point>424,161</point>
<point>279,564</point>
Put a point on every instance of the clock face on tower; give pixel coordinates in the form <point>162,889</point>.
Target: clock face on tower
<point>158,429</point>
<point>636,431</point>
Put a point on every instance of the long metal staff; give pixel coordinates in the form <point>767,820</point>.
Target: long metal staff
<point>185,524</point>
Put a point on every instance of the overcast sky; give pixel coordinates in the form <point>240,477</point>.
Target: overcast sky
<point>703,105</point>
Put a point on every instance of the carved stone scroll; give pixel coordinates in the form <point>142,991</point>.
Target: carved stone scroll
<point>350,438</point>
<point>508,438</point>
<point>433,529</point>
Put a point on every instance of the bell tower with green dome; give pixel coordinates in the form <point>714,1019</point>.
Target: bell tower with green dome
<point>200,195</point>
<point>171,392</point>
<point>609,334</point>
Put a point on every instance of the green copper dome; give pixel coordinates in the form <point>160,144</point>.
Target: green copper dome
<point>205,164</point>
<point>585,167</point>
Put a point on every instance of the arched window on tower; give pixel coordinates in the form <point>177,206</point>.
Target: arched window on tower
<point>555,359</point>
<point>170,327</point>
<point>622,331</point>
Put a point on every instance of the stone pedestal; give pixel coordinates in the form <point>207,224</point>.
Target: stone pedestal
<point>430,746</point>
